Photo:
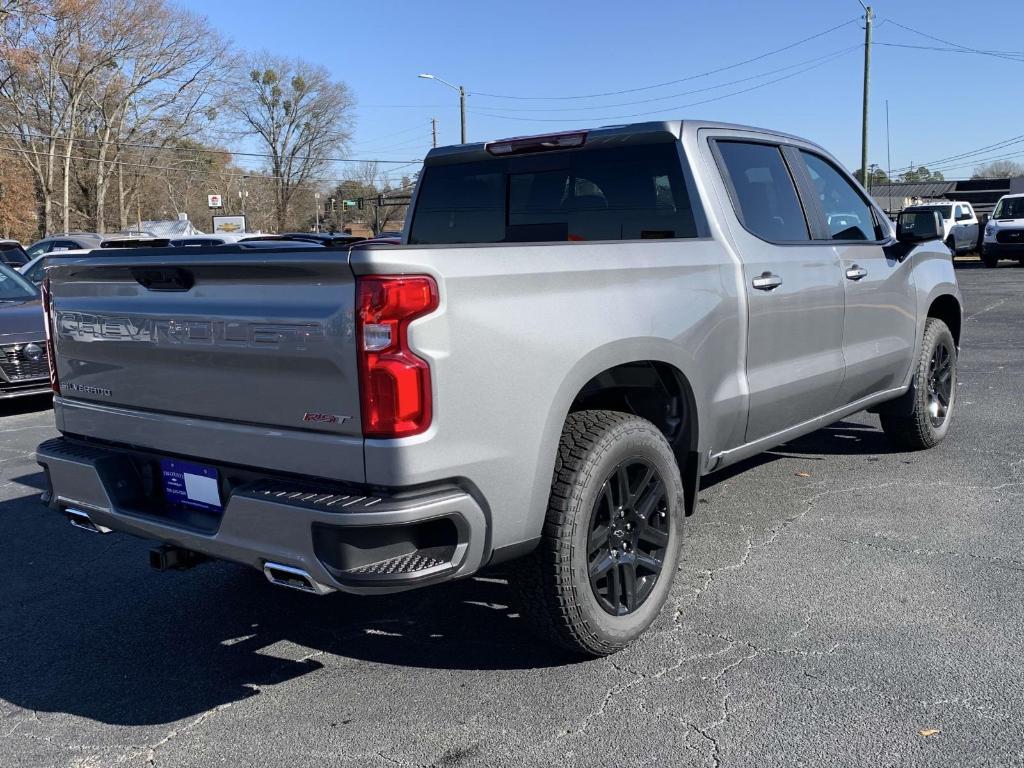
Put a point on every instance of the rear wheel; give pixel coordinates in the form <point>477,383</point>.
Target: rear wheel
<point>610,543</point>
<point>934,393</point>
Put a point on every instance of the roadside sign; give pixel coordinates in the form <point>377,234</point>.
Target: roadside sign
<point>351,203</point>
<point>228,225</point>
<point>214,201</point>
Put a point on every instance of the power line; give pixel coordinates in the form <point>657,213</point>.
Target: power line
<point>677,107</point>
<point>726,84</point>
<point>172,169</point>
<point>197,150</point>
<point>1001,54</point>
<point>963,155</point>
<point>997,54</point>
<point>374,140</point>
<point>671,82</point>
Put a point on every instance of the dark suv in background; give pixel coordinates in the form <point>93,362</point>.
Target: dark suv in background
<point>24,369</point>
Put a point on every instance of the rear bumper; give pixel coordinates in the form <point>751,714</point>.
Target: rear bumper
<point>345,537</point>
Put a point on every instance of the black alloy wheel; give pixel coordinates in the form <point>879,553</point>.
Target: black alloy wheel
<point>629,536</point>
<point>940,383</point>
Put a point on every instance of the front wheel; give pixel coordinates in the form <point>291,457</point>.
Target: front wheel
<point>951,244</point>
<point>610,543</point>
<point>989,260</point>
<point>934,393</point>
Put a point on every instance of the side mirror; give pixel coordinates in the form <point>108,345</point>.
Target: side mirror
<point>919,227</point>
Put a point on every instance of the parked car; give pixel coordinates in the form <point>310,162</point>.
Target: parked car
<point>959,224</point>
<point>23,360</point>
<point>12,254</point>
<point>576,328</point>
<point>1004,232</point>
<point>67,241</point>
<point>35,270</point>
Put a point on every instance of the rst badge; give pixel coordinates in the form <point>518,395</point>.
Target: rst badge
<point>325,418</point>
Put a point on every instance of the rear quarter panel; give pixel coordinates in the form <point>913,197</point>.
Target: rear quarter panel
<point>521,329</point>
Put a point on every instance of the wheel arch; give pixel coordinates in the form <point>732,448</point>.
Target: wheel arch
<point>614,378</point>
<point>946,307</point>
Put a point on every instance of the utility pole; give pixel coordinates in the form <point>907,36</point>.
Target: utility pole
<point>433,132</point>
<point>462,111</point>
<point>868,17</point>
<point>316,197</point>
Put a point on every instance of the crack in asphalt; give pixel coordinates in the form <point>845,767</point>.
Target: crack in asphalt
<point>995,561</point>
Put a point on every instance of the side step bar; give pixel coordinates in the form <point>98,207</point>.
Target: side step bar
<point>294,578</point>
<point>81,519</point>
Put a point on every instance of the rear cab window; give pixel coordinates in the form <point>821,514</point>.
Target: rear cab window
<point>633,192</point>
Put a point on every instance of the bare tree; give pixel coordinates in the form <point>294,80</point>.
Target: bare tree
<point>998,169</point>
<point>165,81</point>
<point>300,116</point>
<point>53,51</point>
<point>384,201</point>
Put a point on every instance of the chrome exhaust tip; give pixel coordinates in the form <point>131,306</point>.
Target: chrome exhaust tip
<point>294,578</point>
<point>81,520</point>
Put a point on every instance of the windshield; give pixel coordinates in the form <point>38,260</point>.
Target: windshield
<point>1009,208</point>
<point>13,287</point>
<point>945,211</point>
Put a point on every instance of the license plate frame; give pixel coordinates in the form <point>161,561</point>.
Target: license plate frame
<point>192,485</point>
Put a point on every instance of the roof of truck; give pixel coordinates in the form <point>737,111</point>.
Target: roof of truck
<point>608,132</point>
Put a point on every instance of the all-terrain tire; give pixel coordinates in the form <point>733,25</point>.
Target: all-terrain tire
<point>554,586</point>
<point>922,428</point>
<point>990,261</point>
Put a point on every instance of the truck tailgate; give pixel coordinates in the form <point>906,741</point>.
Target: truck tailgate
<point>262,339</point>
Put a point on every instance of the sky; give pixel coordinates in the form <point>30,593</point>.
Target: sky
<point>942,103</point>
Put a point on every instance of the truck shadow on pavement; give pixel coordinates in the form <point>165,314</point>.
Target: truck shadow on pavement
<point>87,628</point>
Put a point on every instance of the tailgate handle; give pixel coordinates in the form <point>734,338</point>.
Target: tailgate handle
<point>163,278</point>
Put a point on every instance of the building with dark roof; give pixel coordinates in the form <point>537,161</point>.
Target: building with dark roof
<point>982,194</point>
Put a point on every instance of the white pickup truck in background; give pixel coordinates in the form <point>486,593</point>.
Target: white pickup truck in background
<point>959,222</point>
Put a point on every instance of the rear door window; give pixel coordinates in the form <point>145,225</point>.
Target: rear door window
<point>764,193</point>
<point>621,193</point>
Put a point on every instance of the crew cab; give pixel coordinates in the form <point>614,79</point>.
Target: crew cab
<point>959,224</point>
<point>1004,232</point>
<point>573,331</point>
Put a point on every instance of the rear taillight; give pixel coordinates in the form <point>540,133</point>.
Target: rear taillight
<point>395,388</point>
<point>48,324</point>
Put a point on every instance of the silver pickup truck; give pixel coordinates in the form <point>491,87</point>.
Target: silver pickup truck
<point>575,328</point>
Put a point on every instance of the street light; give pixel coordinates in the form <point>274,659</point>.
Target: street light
<point>462,99</point>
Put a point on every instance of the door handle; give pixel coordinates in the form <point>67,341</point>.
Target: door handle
<point>766,281</point>
<point>856,273</point>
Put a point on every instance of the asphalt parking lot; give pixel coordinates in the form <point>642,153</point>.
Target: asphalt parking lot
<point>837,604</point>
